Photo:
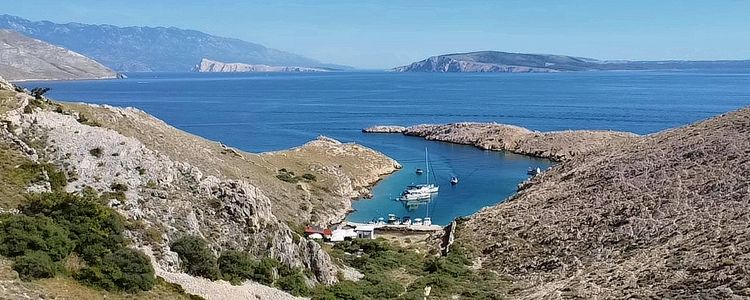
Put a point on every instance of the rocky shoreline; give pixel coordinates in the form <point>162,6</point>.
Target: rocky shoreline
<point>557,145</point>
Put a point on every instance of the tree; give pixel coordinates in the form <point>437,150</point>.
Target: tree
<point>38,92</point>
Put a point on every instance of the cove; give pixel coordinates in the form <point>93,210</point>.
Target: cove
<point>486,178</point>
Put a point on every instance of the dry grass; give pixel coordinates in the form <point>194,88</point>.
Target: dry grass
<point>7,101</point>
<point>13,181</point>
<point>665,216</point>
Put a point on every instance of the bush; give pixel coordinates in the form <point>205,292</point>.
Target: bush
<point>309,177</point>
<point>20,234</point>
<point>119,187</point>
<point>96,228</point>
<point>197,259</point>
<point>294,284</point>
<point>96,152</point>
<point>34,265</point>
<point>126,270</point>
<point>236,266</point>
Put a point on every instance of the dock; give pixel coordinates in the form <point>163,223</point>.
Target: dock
<point>392,227</point>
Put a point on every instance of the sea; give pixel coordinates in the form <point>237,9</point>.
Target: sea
<point>260,112</point>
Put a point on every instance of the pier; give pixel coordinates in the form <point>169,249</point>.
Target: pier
<point>393,227</point>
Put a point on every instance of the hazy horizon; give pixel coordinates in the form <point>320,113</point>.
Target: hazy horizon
<point>385,34</point>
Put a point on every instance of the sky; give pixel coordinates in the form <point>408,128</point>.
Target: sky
<point>386,33</point>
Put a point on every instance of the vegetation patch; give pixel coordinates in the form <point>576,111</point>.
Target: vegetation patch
<point>288,176</point>
<point>448,277</point>
<point>195,257</point>
<point>52,227</point>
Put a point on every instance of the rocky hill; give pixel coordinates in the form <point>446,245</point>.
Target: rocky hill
<point>661,216</point>
<point>144,49</point>
<point>505,62</point>
<point>208,66</point>
<point>24,58</point>
<point>176,184</point>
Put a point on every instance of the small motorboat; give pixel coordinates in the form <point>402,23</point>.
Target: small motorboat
<point>533,171</point>
<point>392,220</point>
<point>380,221</point>
<point>427,221</point>
<point>406,220</point>
<point>454,180</point>
<point>419,171</point>
<point>417,222</point>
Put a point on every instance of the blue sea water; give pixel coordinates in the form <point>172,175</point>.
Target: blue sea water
<point>264,112</point>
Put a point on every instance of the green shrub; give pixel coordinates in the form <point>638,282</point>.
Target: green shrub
<point>96,152</point>
<point>236,266</point>
<point>197,259</point>
<point>309,177</point>
<point>126,270</point>
<point>96,228</point>
<point>119,187</point>
<point>294,284</point>
<point>34,265</point>
<point>20,234</point>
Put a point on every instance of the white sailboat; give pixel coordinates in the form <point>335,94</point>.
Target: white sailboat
<point>421,191</point>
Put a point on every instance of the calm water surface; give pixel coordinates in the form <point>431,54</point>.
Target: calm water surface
<point>263,112</point>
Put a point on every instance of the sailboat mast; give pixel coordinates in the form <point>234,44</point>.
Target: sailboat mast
<point>427,165</point>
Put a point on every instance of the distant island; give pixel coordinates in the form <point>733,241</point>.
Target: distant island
<point>208,66</point>
<point>24,58</point>
<point>153,49</point>
<point>506,62</point>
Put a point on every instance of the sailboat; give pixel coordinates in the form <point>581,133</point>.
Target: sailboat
<point>423,190</point>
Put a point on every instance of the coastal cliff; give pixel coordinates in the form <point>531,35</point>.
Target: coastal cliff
<point>506,62</point>
<point>557,145</point>
<point>176,184</point>
<point>207,65</point>
<point>24,58</point>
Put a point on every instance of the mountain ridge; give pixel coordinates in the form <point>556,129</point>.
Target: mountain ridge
<point>163,49</point>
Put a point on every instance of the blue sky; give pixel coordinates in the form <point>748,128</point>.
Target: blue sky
<point>385,33</point>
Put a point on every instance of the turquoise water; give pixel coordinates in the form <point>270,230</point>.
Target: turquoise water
<point>263,112</point>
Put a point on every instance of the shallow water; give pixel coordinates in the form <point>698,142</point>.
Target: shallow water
<point>263,112</point>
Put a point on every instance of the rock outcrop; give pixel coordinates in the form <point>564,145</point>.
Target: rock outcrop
<point>24,58</point>
<point>384,129</point>
<point>659,216</point>
<point>208,66</point>
<point>179,184</point>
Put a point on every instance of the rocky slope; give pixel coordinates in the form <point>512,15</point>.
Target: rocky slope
<point>504,62</point>
<point>207,65</point>
<point>24,58</point>
<point>159,49</point>
<point>660,216</point>
<point>557,145</point>
<point>182,184</point>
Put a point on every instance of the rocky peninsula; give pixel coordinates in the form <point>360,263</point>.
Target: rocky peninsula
<point>176,184</point>
<point>556,145</point>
